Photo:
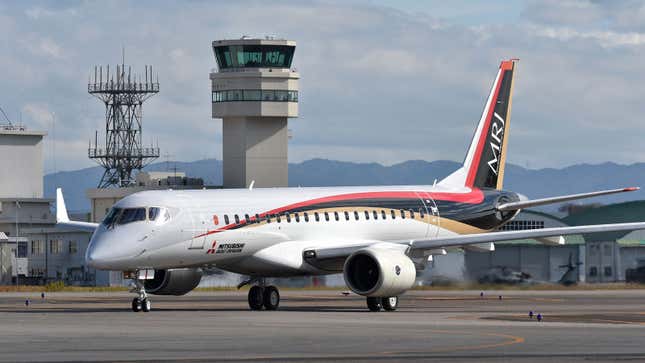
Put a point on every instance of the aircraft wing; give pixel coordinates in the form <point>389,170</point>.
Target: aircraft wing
<point>522,204</point>
<point>478,239</point>
<point>62,218</point>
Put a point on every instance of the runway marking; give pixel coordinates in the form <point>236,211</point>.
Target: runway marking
<point>510,340</point>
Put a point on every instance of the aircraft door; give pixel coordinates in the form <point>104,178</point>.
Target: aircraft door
<point>430,214</point>
<point>200,227</point>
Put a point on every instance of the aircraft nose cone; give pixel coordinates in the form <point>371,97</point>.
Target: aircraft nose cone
<point>100,253</point>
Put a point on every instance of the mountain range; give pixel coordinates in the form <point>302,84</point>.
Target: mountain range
<point>534,183</point>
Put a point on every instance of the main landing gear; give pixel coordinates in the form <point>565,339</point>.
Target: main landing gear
<point>385,303</point>
<point>141,302</point>
<point>262,296</point>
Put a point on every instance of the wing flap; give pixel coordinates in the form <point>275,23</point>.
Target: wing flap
<point>481,241</point>
<point>471,239</point>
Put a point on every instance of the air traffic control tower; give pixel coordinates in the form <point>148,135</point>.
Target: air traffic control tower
<point>255,92</point>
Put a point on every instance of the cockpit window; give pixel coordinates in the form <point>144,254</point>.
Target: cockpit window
<point>158,214</point>
<point>118,216</point>
<point>130,215</point>
<point>153,213</point>
<point>111,217</point>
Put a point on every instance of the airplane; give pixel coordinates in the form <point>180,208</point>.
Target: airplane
<point>379,237</point>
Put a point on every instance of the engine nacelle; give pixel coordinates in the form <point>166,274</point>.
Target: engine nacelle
<point>379,272</point>
<point>179,281</point>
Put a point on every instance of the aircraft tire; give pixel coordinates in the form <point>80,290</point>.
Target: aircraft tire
<point>271,298</point>
<point>136,304</point>
<point>390,303</point>
<point>256,298</point>
<point>145,305</point>
<point>374,303</point>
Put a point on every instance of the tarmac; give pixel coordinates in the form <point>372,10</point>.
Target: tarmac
<point>440,326</point>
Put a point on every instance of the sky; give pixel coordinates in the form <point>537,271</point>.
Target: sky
<point>381,80</point>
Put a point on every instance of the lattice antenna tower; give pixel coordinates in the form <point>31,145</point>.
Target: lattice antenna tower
<point>123,95</point>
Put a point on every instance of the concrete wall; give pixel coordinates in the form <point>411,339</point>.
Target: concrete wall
<point>21,164</point>
<point>255,133</point>
<point>255,148</point>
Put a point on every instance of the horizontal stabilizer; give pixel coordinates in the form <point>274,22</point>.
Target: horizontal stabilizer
<point>522,204</point>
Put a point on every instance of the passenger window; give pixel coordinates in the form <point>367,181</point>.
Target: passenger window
<point>367,215</point>
<point>402,214</point>
<point>226,221</point>
<point>336,216</point>
<point>297,217</point>
<point>375,214</point>
<point>257,218</point>
<point>411,213</point>
<point>278,218</point>
<point>421,212</point>
<point>317,216</point>
<point>288,217</point>
<point>393,214</point>
<point>306,216</point>
<point>215,219</point>
<point>346,215</point>
<point>247,219</point>
<point>327,216</point>
<point>268,217</point>
<point>383,215</point>
<point>237,219</point>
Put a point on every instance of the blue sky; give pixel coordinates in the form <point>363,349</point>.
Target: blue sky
<point>382,81</point>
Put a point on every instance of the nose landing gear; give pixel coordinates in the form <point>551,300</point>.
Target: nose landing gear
<point>141,302</point>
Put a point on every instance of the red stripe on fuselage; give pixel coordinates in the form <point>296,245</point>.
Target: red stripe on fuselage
<point>475,196</point>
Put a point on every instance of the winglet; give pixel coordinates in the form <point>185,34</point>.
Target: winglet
<point>61,210</point>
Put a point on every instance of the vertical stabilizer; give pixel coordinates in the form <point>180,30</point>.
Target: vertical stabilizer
<point>484,164</point>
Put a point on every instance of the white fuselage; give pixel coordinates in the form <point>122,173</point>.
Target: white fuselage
<point>203,229</point>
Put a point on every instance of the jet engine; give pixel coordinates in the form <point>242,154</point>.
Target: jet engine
<point>379,272</point>
<point>177,281</point>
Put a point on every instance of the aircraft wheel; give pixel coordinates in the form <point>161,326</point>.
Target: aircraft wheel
<point>145,305</point>
<point>256,298</point>
<point>374,303</point>
<point>271,298</point>
<point>136,305</point>
<point>390,303</point>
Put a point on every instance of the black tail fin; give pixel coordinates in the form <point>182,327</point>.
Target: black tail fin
<point>486,157</point>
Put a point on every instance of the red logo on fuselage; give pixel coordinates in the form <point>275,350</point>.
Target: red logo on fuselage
<point>211,251</point>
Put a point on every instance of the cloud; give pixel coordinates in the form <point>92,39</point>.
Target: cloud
<point>377,83</point>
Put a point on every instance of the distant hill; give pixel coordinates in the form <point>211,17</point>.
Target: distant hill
<point>319,172</point>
